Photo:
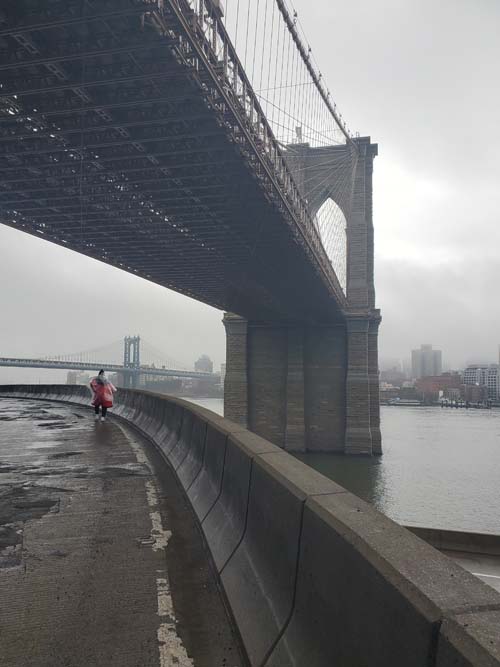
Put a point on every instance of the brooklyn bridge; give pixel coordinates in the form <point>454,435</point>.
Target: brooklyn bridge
<point>197,146</point>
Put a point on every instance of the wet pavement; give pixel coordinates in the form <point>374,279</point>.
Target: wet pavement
<point>101,561</point>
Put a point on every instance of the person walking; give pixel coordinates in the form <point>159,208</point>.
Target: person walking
<point>103,391</point>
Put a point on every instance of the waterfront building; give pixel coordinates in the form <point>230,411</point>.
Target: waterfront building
<point>448,383</point>
<point>485,376</point>
<point>426,362</point>
<point>388,392</point>
<point>474,393</point>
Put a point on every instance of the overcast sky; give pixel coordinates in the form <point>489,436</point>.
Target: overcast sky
<point>421,78</point>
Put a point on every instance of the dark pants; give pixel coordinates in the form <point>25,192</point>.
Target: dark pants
<point>104,410</point>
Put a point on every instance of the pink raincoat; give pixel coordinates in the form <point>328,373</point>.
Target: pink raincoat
<point>103,393</point>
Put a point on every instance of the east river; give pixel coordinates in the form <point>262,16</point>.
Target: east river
<point>440,467</point>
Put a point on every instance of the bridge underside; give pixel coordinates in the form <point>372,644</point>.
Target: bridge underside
<point>117,145</point>
<point>124,137</point>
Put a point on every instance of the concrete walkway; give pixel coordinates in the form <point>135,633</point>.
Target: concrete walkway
<point>101,562</point>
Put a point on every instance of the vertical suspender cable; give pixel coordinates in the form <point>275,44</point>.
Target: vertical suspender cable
<point>255,43</point>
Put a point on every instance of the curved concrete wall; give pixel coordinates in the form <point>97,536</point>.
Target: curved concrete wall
<point>314,576</point>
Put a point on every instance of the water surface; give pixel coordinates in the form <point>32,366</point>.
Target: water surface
<point>440,467</point>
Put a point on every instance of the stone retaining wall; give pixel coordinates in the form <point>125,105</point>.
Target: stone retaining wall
<point>315,577</point>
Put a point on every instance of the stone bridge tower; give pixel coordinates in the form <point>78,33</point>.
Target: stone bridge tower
<point>316,387</point>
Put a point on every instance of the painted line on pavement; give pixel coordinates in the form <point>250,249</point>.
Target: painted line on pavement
<point>170,646</point>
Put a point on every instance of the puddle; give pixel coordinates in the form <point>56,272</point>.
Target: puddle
<point>64,455</point>
<point>43,445</point>
<point>20,503</point>
<point>9,536</point>
<point>11,543</point>
<point>8,467</point>
<point>35,504</point>
<point>43,471</point>
<point>84,472</point>
<point>24,502</point>
<point>125,470</point>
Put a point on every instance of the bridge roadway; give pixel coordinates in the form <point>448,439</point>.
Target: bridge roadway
<point>100,559</point>
<point>14,362</point>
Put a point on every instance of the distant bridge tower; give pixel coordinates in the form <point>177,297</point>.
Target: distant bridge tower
<point>314,386</point>
<point>131,359</point>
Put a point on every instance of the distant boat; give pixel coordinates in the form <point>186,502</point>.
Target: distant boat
<point>405,402</point>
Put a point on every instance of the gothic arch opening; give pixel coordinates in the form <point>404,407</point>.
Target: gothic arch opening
<point>332,226</point>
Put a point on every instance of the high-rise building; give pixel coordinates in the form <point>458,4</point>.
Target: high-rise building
<point>426,362</point>
<point>204,364</point>
<point>484,376</point>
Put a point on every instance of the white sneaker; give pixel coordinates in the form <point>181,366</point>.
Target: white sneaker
<point>96,418</point>
<point>103,419</point>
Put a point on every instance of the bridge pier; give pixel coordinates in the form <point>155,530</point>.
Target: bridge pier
<point>236,378</point>
<point>295,430</point>
<point>358,439</point>
<point>305,388</point>
<point>374,382</point>
<point>287,382</point>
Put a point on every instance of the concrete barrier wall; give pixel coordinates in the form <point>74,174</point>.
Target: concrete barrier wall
<point>314,576</point>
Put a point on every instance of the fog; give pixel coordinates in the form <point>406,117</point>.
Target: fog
<point>422,79</point>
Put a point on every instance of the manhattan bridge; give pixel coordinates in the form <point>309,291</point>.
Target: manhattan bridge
<point>195,144</point>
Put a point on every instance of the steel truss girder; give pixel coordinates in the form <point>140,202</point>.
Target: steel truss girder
<point>91,191</point>
<point>85,18</point>
<point>169,120</point>
<point>172,138</point>
<point>188,165</point>
<point>109,197</point>
<point>77,164</point>
<point>82,55</point>
<point>169,99</point>
<point>85,83</point>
